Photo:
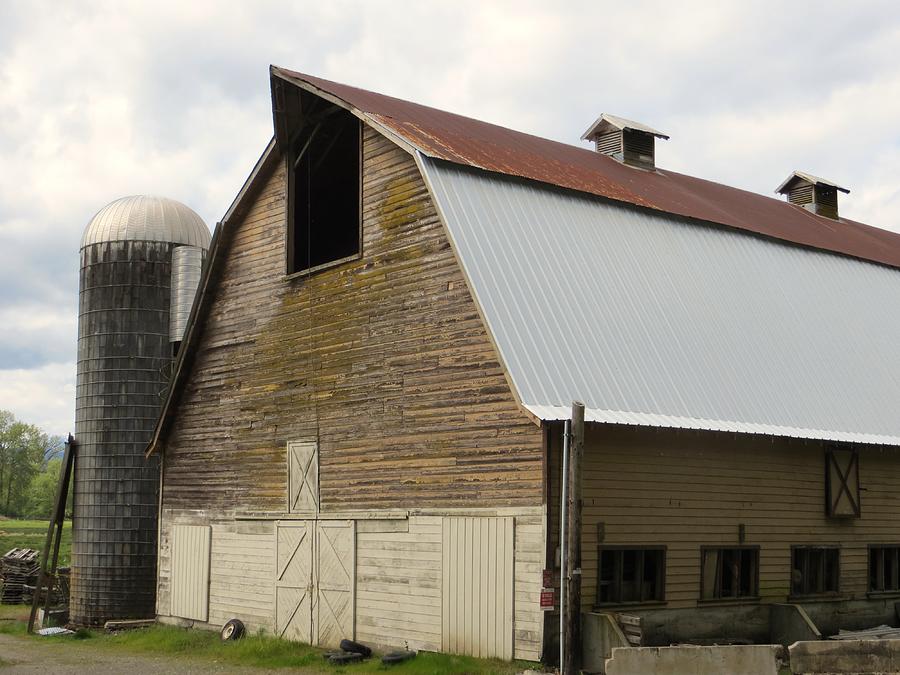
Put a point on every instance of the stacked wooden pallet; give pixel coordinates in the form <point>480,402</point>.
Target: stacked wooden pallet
<point>631,627</point>
<point>17,568</point>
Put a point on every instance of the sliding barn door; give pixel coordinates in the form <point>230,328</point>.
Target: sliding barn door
<point>478,586</point>
<point>336,563</point>
<point>294,581</point>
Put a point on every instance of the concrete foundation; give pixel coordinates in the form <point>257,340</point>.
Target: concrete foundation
<point>600,635</point>
<point>789,624</point>
<point>860,657</point>
<point>734,660</point>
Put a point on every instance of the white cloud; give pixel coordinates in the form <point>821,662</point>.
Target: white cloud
<point>43,396</point>
<point>101,99</point>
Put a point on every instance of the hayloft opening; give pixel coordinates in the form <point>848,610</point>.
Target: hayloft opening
<point>324,193</point>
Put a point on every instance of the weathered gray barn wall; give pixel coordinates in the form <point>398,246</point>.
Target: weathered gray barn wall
<point>385,361</point>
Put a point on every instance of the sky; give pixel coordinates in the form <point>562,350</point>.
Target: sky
<point>100,100</point>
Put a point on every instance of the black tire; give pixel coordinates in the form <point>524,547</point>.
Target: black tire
<point>351,646</point>
<point>232,630</point>
<point>346,657</point>
<point>397,657</point>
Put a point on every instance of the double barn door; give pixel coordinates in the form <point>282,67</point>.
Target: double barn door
<point>315,581</point>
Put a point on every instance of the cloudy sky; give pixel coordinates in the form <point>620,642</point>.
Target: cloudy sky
<point>104,99</point>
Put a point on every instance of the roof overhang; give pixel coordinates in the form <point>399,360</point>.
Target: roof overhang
<point>607,122</point>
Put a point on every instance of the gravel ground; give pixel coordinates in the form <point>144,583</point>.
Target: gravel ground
<point>21,655</point>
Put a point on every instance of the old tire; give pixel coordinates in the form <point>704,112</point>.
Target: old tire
<point>346,657</point>
<point>351,646</point>
<point>397,657</point>
<point>232,630</point>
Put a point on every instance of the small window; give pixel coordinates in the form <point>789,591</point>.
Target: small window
<point>728,573</point>
<point>842,482</point>
<point>630,575</point>
<point>884,569</point>
<point>324,193</point>
<point>815,570</point>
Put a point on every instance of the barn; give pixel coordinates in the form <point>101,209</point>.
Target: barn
<point>363,434</point>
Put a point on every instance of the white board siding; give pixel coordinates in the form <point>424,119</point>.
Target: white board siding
<point>478,585</point>
<point>243,555</point>
<point>190,572</point>
<point>529,565</point>
<point>398,586</point>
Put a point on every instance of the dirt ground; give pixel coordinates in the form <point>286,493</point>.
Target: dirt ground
<point>21,655</point>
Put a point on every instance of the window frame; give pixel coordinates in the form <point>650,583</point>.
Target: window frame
<point>816,594</point>
<point>882,592</point>
<point>620,548</point>
<point>290,159</point>
<point>753,597</point>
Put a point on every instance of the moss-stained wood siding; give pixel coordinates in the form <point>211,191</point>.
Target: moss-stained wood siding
<point>686,489</point>
<point>384,359</point>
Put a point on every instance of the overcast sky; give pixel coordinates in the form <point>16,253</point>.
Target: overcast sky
<point>104,99</point>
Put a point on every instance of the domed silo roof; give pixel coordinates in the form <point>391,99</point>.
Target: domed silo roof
<point>146,218</point>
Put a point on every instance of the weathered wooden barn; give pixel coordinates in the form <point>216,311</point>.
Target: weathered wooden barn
<point>362,437</point>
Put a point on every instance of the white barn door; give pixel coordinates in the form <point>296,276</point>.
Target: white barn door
<point>294,580</point>
<point>315,581</point>
<point>478,586</point>
<point>335,571</point>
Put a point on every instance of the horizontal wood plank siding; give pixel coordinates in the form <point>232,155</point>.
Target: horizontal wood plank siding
<point>241,570</point>
<point>384,360</point>
<point>398,586</point>
<point>685,490</point>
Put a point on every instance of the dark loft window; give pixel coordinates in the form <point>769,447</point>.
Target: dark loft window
<point>884,568</point>
<point>629,575</point>
<point>815,570</point>
<point>729,573</point>
<point>324,193</point>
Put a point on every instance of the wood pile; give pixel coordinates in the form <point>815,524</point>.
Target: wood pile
<point>882,632</point>
<point>17,568</point>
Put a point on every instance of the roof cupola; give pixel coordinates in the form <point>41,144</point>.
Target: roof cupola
<point>629,142</point>
<point>812,193</point>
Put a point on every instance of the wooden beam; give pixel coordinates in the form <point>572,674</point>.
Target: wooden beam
<point>572,627</point>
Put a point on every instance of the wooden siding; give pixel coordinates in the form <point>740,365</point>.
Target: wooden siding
<point>190,571</point>
<point>384,360</point>
<point>241,564</point>
<point>685,490</point>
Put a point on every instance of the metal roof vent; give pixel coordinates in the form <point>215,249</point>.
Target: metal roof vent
<point>629,142</point>
<point>812,193</point>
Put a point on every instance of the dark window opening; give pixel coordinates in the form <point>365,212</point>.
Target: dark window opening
<point>815,570</point>
<point>884,568</point>
<point>324,193</point>
<point>629,575</point>
<point>729,573</point>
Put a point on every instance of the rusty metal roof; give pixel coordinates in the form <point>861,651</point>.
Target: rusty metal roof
<point>443,135</point>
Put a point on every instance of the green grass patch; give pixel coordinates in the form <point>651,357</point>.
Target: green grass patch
<point>33,534</point>
<point>262,651</point>
<point>14,619</point>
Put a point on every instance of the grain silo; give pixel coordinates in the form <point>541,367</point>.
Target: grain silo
<point>140,265</point>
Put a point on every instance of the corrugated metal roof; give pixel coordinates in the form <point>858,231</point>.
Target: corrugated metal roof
<point>443,135</point>
<point>607,122</point>
<point>656,320</point>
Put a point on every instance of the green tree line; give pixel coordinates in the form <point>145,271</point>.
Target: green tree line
<point>29,468</point>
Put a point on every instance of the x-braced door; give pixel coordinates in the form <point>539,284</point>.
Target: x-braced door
<point>315,581</point>
<point>336,562</point>
<point>294,586</point>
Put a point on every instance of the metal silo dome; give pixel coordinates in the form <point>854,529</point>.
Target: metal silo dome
<point>147,218</point>
<point>141,261</point>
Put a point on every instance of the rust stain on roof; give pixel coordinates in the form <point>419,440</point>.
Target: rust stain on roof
<point>448,136</point>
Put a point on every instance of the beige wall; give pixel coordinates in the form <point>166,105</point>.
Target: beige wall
<point>690,489</point>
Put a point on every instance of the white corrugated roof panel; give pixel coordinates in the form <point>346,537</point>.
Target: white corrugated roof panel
<point>656,320</point>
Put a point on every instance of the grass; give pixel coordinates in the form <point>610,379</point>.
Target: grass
<point>257,651</point>
<point>33,534</point>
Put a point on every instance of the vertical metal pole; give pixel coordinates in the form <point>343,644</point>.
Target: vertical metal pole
<point>572,625</point>
<point>563,515</point>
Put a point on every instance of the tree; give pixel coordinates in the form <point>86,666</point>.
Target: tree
<point>24,453</point>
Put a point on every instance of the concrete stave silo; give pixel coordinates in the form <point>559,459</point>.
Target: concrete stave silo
<point>125,348</point>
